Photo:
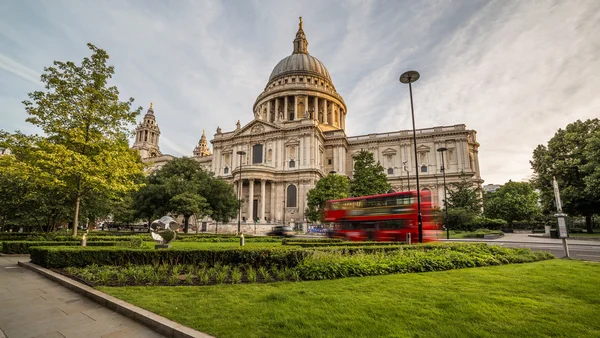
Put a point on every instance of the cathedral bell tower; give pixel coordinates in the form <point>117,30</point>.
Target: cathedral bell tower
<point>201,149</point>
<point>146,136</point>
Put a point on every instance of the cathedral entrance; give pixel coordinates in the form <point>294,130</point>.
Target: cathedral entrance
<point>255,209</point>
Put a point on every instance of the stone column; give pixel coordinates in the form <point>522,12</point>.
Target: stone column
<point>285,108</point>
<point>272,210</point>
<point>268,109</point>
<point>295,107</point>
<point>316,113</point>
<point>276,110</point>
<point>305,105</point>
<point>250,217</point>
<point>263,185</point>
<point>325,111</point>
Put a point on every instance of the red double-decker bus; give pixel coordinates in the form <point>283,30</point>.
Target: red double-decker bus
<point>386,217</point>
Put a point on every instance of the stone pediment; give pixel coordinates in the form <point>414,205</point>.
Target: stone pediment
<point>389,151</point>
<point>423,148</point>
<point>292,142</point>
<point>257,127</point>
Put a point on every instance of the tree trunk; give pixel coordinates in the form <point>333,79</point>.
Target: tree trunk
<point>588,224</point>
<point>186,222</point>
<point>76,217</point>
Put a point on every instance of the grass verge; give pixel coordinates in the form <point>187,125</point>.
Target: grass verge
<point>550,298</point>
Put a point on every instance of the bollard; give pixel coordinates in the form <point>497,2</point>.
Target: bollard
<point>242,240</point>
<point>83,240</point>
<point>408,238</point>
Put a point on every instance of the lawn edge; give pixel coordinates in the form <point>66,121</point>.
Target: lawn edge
<point>157,323</point>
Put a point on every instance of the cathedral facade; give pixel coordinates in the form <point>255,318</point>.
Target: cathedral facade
<point>298,135</point>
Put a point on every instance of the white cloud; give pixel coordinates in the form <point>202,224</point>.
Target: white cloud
<point>19,70</point>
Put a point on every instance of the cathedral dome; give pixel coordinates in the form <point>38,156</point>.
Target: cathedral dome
<point>300,63</point>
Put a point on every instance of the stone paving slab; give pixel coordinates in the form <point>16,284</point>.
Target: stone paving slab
<point>151,320</point>
<point>34,306</point>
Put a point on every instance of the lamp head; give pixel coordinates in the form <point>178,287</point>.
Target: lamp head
<point>410,76</point>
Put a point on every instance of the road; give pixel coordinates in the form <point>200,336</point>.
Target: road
<point>576,251</point>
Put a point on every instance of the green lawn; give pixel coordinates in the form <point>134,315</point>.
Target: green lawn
<point>585,236</point>
<point>203,245</point>
<point>555,298</point>
<point>471,234</point>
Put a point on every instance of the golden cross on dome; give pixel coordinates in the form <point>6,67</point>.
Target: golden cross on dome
<point>150,105</point>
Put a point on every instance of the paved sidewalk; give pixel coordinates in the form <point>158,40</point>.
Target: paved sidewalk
<point>33,306</point>
<point>525,238</point>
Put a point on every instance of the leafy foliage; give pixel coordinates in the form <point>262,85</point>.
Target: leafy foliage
<point>368,177</point>
<point>329,187</point>
<point>85,150</point>
<point>183,187</point>
<point>514,201</point>
<point>572,156</point>
<point>22,247</point>
<point>463,195</point>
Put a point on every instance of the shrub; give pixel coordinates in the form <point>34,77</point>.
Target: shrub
<point>60,257</point>
<point>460,218</point>
<point>22,247</point>
<point>481,222</point>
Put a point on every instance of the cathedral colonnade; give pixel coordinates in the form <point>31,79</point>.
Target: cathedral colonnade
<point>270,201</point>
<point>297,107</point>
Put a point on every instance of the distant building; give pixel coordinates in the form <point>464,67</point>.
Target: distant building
<point>5,151</point>
<point>491,187</point>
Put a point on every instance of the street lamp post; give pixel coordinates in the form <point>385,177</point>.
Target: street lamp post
<point>410,77</point>
<point>241,153</point>
<point>443,168</point>
<point>407,174</point>
<point>332,173</point>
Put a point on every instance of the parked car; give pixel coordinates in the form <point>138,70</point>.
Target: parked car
<point>281,231</point>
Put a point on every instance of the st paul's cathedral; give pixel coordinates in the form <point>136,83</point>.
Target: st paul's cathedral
<point>298,135</point>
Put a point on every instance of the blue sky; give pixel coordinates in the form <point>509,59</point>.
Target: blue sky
<point>515,71</point>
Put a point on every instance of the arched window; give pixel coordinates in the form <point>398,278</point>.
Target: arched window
<point>423,168</point>
<point>390,171</point>
<point>292,164</point>
<point>226,170</point>
<point>291,196</point>
<point>257,153</point>
<point>425,195</point>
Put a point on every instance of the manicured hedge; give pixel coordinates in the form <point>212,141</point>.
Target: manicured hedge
<point>214,239</point>
<point>342,244</point>
<point>22,247</point>
<point>287,241</point>
<point>290,256</point>
<point>60,257</point>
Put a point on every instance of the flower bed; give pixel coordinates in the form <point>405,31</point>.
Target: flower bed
<point>329,263</point>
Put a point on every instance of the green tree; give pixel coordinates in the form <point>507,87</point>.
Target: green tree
<point>368,177</point>
<point>223,201</point>
<point>85,149</point>
<point>464,195</point>
<point>329,187</point>
<point>514,201</point>
<point>571,156</point>
<point>182,187</point>
<point>188,204</point>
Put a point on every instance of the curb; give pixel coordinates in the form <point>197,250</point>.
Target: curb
<point>13,255</point>
<point>157,323</point>
<point>481,240</point>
